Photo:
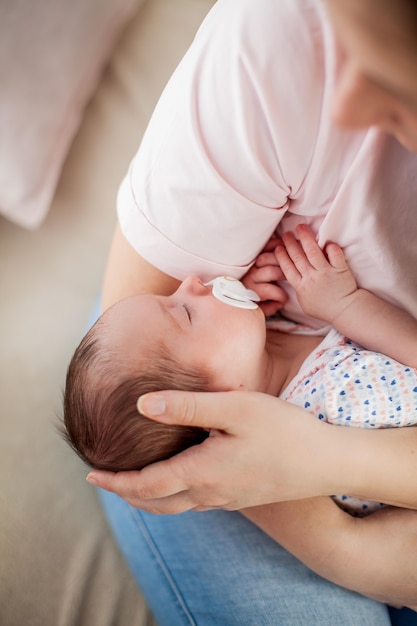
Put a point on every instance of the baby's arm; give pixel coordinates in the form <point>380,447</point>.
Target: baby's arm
<point>326,289</point>
<point>351,552</point>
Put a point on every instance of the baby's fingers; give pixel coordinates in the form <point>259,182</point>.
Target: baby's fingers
<point>287,266</point>
<point>336,256</point>
<point>265,258</point>
<point>296,252</point>
<point>270,307</point>
<point>266,274</point>
<point>272,244</point>
<point>312,250</point>
<point>272,292</point>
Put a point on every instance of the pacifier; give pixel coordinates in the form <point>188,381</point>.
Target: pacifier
<point>231,291</point>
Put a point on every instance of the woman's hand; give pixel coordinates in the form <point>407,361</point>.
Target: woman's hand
<point>260,450</point>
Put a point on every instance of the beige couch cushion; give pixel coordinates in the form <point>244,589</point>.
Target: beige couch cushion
<point>59,565</point>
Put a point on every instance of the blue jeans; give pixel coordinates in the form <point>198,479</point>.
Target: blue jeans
<point>217,568</point>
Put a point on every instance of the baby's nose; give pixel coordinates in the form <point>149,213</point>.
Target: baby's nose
<point>194,285</point>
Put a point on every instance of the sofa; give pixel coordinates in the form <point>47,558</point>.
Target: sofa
<point>59,564</point>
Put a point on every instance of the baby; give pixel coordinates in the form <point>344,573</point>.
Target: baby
<point>200,339</point>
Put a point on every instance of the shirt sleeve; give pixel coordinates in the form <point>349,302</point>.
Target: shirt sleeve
<point>230,140</point>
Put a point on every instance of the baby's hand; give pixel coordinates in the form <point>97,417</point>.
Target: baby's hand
<point>262,278</point>
<point>321,279</point>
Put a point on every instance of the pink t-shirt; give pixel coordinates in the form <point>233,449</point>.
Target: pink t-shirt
<point>241,144</point>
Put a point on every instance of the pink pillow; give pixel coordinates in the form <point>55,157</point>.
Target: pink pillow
<point>52,53</point>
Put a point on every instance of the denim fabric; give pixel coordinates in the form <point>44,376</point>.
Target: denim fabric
<point>216,568</point>
<point>403,617</point>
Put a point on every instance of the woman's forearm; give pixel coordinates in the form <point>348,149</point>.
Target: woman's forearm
<point>315,530</point>
<point>375,556</point>
<point>376,465</point>
<point>128,274</point>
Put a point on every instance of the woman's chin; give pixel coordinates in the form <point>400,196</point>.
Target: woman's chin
<point>409,141</point>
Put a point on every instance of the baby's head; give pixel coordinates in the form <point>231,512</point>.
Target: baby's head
<point>188,341</point>
<point>102,423</point>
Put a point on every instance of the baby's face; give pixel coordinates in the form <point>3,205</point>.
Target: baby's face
<point>197,329</point>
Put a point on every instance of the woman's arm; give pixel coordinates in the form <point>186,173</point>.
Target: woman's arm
<point>375,556</point>
<point>265,450</point>
<point>128,274</point>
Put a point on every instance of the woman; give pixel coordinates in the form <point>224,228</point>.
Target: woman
<point>241,144</point>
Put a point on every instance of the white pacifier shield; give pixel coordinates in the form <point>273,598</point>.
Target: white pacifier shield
<point>231,291</point>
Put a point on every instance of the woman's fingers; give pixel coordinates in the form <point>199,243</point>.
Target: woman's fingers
<point>168,487</point>
<point>188,408</point>
<point>156,488</point>
<point>131,486</point>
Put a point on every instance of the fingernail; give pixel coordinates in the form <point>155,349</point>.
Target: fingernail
<point>152,405</point>
<point>92,480</point>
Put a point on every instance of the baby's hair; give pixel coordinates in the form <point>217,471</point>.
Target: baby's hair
<point>101,421</point>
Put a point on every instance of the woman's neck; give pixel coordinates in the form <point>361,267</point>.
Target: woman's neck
<point>286,353</point>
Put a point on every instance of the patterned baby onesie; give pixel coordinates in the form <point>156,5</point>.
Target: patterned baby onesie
<point>344,384</point>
